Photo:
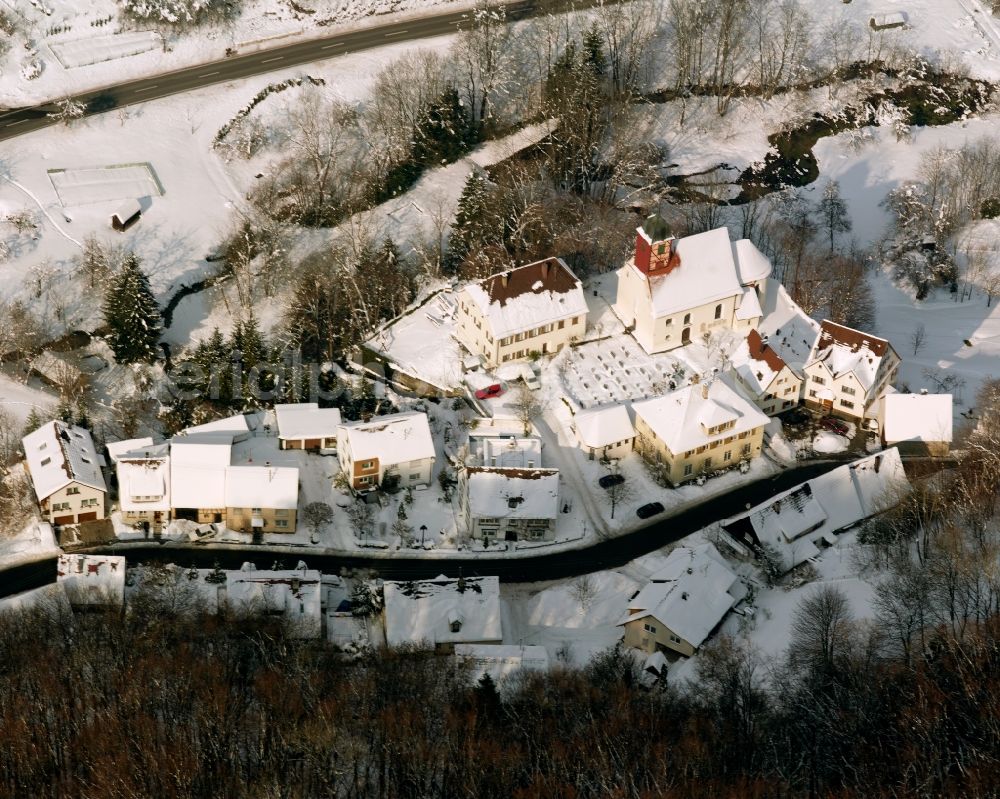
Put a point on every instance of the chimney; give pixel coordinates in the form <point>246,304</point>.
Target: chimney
<point>545,270</point>
<point>704,390</point>
<point>504,279</point>
<point>878,463</point>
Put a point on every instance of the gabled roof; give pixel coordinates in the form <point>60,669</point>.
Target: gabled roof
<point>230,424</point>
<point>529,296</point>
<point>118,448</point>
<point>749,307</point>
<point>262,487</point>
<point>144,478</point>
<point>306,420</point>
<point>601,426</point>
<point>59,454</point>
<point>677,417</point>
<point>513,493</point>
<point>790,331</point>
<point>423,610</point>
<point>198,463</point>
<point>690,595</point>
<point>751,263</point>
<point>394,438</point>
<point>762,364</point>
<point>845,350</point>
<point>295,594</point>
<point>918,417</point>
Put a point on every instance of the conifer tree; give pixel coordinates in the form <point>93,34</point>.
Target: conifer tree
<point>593,52</point>
<point>131,313</point>
<point>446,131</point>
<point>472,220</point>
<point>33,422</point>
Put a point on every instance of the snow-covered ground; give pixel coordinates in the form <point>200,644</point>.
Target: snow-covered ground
<point>35,541</point>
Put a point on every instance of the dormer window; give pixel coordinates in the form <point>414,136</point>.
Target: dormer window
<point>42,446</point>
<point>46,461</point>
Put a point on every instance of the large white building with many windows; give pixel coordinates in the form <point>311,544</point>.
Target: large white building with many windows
<point>537,308</point>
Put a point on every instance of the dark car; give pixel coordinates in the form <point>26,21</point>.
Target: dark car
<point>834,425</point>
<point>490,391</point>
<point>610,480</point>
<point>651,509</point>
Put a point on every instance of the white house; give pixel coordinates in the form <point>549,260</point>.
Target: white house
<point>605,432</point>
<point>143,483</point>
<point>698,429</point>
<point>683,602</point>
<point>674,291</point>
<point>92,581</point>
<point>917,424</point>
<point>237,425</point>
<point>198,463</point>
<point>848,370</point>
<point>514,452</point>
<point>793,525</point>
<point>262,499</point>
<point>399,444</point>
<point>304,425</point>
<point>65,471</point>
<point>537,308</point>
<point>765,377</point>
<point>117,448</point>
<point>509,504</point>
<point>443,612</point>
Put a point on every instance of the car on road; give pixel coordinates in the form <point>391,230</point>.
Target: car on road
<point>610,480</point>
<point>834,425</point>
<point>649,509</point>
<point>489,392</point>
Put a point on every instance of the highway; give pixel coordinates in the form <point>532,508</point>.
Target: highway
<point>19,121</point>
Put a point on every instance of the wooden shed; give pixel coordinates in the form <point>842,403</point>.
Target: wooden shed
<point>126,215</point>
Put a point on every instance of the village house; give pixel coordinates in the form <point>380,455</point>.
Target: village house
<point>65,472</point>
<point>537,308</point>
<point>674,291</point>
<point>698,429</point>
<point>304,425</point>
<point>262,499</point>
<point>397,444</point>
<point>847,371</point>
<point>682,603</point>
<point>294,595</point>
<point>198,463</point>
<point>766,378</point>
<point>917,424</point>
<point>605,432</point>
<point>443,612</point>
<point>791,527</point>
<point>92,581</point>
<point>143,484</point>
<point>509,504</point>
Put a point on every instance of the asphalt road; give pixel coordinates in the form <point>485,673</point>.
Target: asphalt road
<point>18,121</point>
<point>566,563</point>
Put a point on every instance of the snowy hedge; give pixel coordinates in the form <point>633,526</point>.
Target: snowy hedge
<point>263,94</point>
<point>172,11</point>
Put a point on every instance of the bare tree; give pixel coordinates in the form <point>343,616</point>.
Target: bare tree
<point>820,628</point>
<point>69,111</point>
<point>317,515</point>
<point>918,338</point>
<point>485,51</point>
<point>584,590</point>
<point>527,407</point>
<point>618,492</point>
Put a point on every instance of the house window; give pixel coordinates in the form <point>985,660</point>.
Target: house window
<point>847,390</point>
<point>728,455</point>
<point>847,403</point>
<point>718,311</point>
<point>687,318</point>
<point>364,480</point>
<point>255,510</point>
<point>688,468</point>
<point>367,464</point>
<point>72,490</point>
<point>746,449</point>
<point>414,476</point>
<point>42,446</point>
<point>46,461</point>
<point>281,522</point>
<point>562,323</point>
<point>674,639</point>
<point>708,463</point>
<point>668,323</point>
<point>281,512</point>
<point>575,320</point>
<point>649,628</point>
<point>812,393</point>
<point>817,379</point>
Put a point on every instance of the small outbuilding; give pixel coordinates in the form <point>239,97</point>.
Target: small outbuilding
<point>882,22</point>
<point>128,214</point>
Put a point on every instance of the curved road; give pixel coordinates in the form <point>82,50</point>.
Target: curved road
<point>605,554</point>
<point>244,65</point>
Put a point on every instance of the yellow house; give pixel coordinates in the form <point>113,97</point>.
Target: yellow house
<point>674,291</point>
<point>682,603</point>
<point>66,473</point>
<point>847,371</point>
<point>537,308</point>
<point>698,429</point>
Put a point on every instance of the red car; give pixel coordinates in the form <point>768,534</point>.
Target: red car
<point>490,392</point>
<point>834,425</point>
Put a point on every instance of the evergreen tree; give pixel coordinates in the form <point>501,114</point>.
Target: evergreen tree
<point>593,52</point>
<point>472,220</point>
<point>33,422</point>
<point>446,131</point>
<point>131,313</point>
<point>832,212</point>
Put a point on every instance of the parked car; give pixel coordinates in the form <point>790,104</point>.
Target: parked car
<point>650,509</point>
<point>490,392</point>
<point>611,480</point>
<point>834,425</point>
<point>531,381</point>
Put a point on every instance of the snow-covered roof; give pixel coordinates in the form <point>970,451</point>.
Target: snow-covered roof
<point>92,579</point>
<point>230,424</point>
<point>127,210</point>
<point>54,368</point>
<point>757,363</point>
<point>59,454</point>
<point>527,297</point>
<point>144,484</point>
<point>306,420</point>
<point>507,452</point>
<point>917,417</point>
<point>293,593</point>
<point>395,438</point>
<point>443,610</point>
<point>749,307</point>
<point>500,660</point>
<point>751,264</point>
<point>513,493</point>
<point>604,425</point>
<point>198,464</point>
<point>794,521</point>
<point>690,595</point>
<point>845,350</point>
<point>677,418</point>
<point>262,487</point>
<point>118,448</point>
<point>706,272</point>
<point>787,328</point>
